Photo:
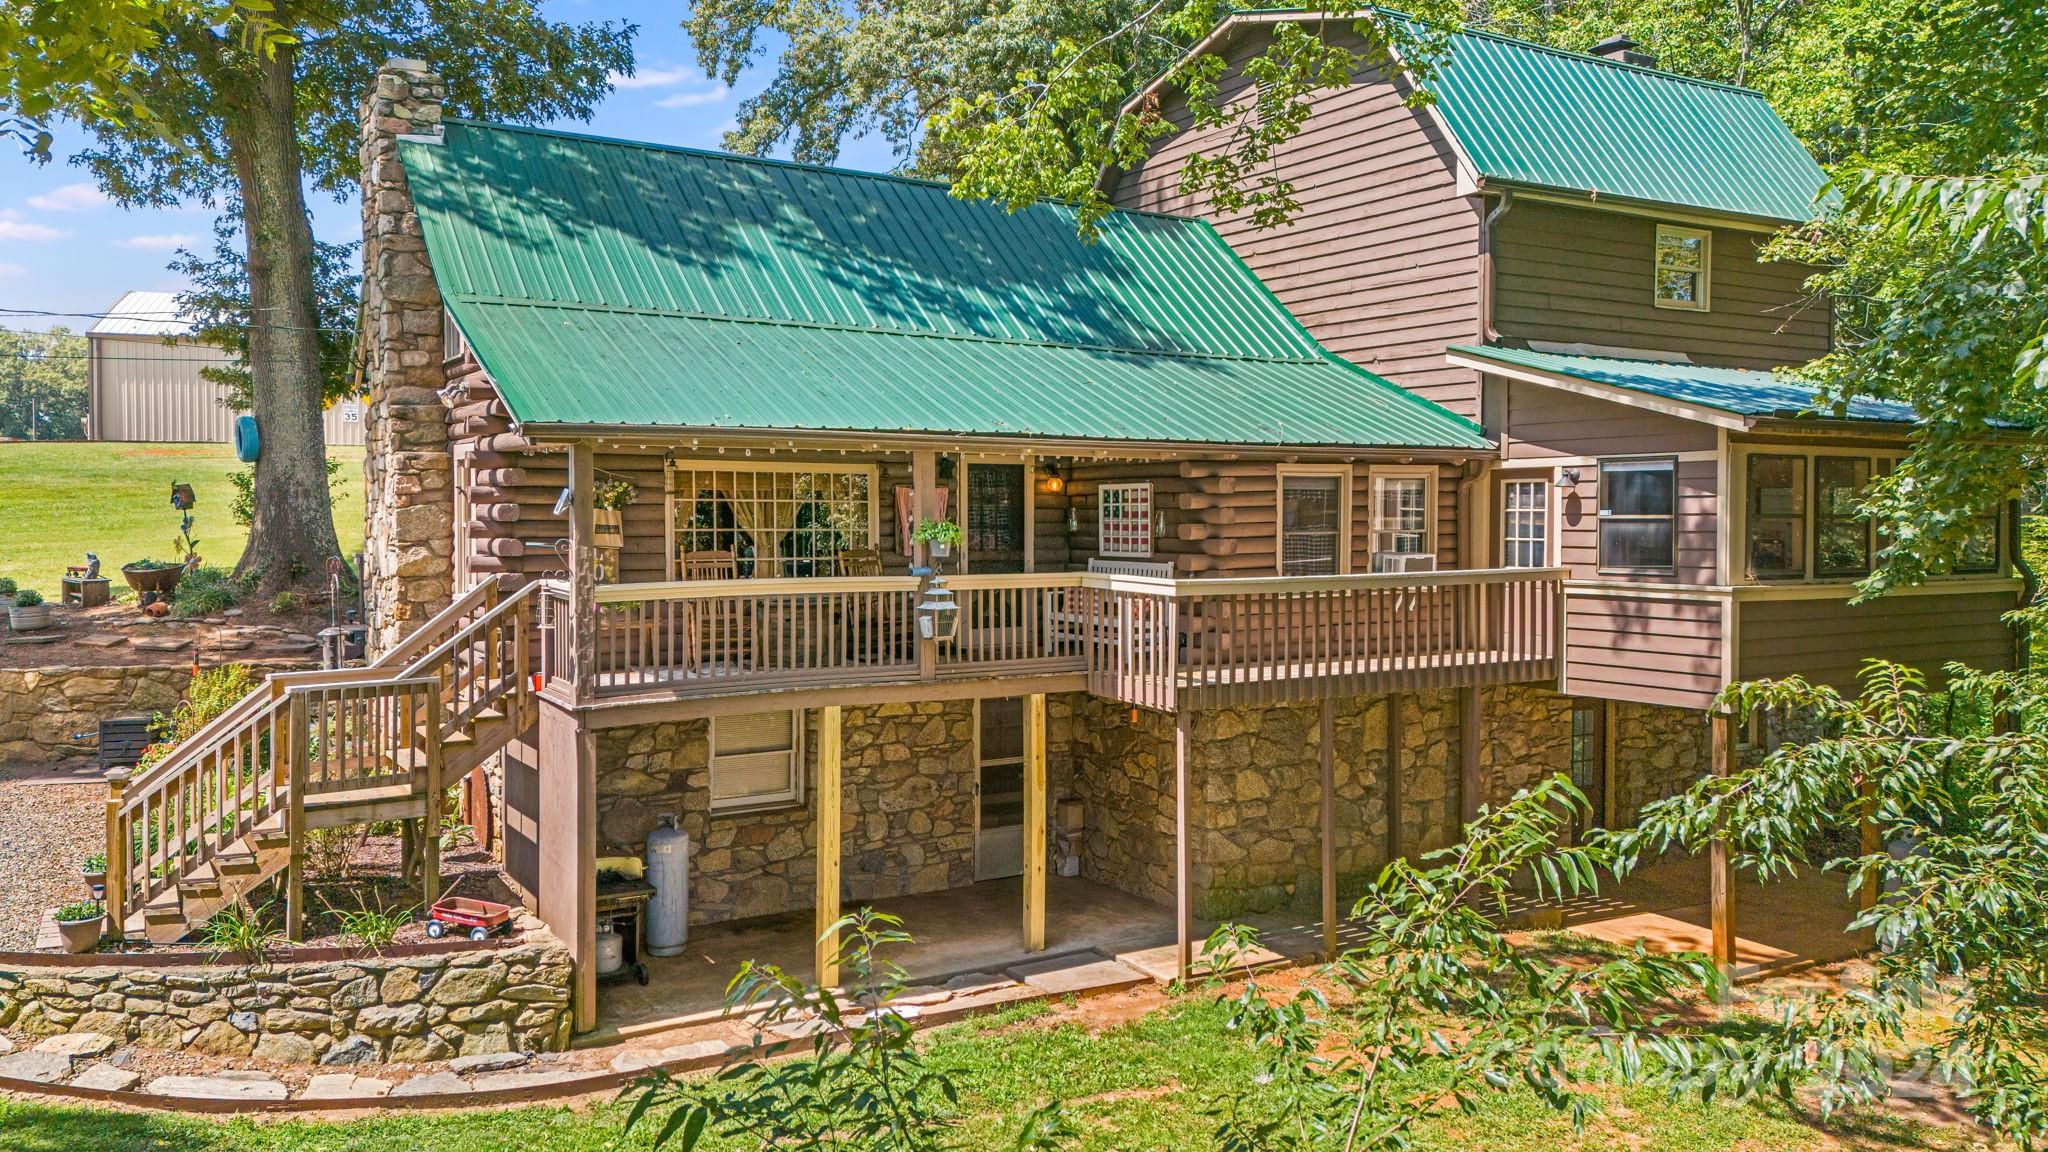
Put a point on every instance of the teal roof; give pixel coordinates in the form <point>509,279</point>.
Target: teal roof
<point>1541,117</point>
<point>1738,391</point>
<point>613,284</point>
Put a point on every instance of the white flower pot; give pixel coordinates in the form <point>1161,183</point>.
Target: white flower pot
<point>28,619</point>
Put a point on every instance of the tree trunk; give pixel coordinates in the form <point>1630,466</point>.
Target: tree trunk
<point>292,533</point>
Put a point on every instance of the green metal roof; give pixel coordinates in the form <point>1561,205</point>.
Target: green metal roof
<point>1541,117</point>
<point>1738,391</point>
<point>611,284</point>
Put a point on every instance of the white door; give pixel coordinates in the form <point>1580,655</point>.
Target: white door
<point>999,789</point>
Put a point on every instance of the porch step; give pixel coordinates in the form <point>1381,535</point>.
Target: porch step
<point>364,806</point>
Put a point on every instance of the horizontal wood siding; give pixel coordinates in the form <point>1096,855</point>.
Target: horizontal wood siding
<point>1576,275</point>
<point>1649,651</point>
<point>1543,423</point>
<point>1693,538</point>
<point>1827,640</point>
<point>1381,260</point>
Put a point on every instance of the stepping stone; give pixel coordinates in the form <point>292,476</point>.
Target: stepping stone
<point>220,1086</point>
<point>975,982</point>
<point>229,643</point>
<point>800,1028</point>
<point>490,1062</point>
<point>437,1084</point>
<point>697,1050</point>
<point>78,1045</point>
<point>232,613</point>
<point>161,643</point>
<point>1080,975</point>
<point>342,1086</point>
<point>101,640</point>
<point>505,1081</point>
<point>636,1061</point>
<point>35,637</point>
<point>6,1045</point>
<point>41,1067</point>
<point>923,996</point>
<point>105,1077</point>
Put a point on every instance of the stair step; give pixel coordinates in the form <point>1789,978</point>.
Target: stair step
<point>164,908</point>
<point>237,864</point>
<point>364,806</point>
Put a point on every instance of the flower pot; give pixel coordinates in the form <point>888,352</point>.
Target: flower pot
<point>28,619</point>
<point>608,528</point>
<point>82,935</point>
<point>940,549</point>
<point>97,881</point>
<point>159,580</point>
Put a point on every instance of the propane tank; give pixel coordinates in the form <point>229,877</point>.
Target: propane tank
<point>668,869</point>
<point>611,950</point>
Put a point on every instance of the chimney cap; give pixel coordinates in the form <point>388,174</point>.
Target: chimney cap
<point>1614,46</point>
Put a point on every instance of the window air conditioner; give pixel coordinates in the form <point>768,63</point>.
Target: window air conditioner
<point>1403,562</point>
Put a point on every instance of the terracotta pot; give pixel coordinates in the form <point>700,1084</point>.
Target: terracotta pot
<point>28,619</point>
<point>162,580</point>
<point>82,935</point>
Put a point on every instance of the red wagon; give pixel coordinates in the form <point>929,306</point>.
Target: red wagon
<point>480,918</point>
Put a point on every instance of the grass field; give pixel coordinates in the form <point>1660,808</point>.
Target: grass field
<point>60,501</point>
<point>1142,1086</point>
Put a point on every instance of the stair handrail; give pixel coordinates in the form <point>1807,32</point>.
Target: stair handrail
<point>444,623</point>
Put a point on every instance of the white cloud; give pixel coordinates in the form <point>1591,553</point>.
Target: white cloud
<point>69,198</point>
<point>10,271</point>
<point>13,227</point>
<point>650,78</point>
<point>161,242</point>
<point>694,99</point>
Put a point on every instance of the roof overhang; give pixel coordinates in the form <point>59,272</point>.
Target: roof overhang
<point>1565,382</point>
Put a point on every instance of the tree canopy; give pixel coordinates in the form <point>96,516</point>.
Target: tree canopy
<point>42,385</point>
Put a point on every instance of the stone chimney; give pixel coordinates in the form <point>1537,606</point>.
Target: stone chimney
<point>409,514</point>
<point>1623,49</point>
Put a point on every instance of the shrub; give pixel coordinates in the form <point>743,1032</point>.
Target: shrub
<point>7,586</point>
<point>82,910</point>
<point>284,603</point>
<point>27,598</point>
<point>95,864</point>
<point>327,852</point>
<point>372,928</point>
<point>207,591</point>
<point>212,692</point>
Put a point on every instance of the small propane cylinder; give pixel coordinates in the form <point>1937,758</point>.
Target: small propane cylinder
<point>611,950</point>
<point>668,869</point>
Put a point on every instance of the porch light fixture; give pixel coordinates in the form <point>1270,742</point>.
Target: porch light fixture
<point>1050,481</point>
<point>1568,478</point>
<point>563,501</point>
<point>938,616</point>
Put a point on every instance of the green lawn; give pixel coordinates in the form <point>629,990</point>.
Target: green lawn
<point>1137,1087</point>
<point>60,501</point>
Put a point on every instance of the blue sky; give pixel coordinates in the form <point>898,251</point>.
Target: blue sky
<point>63,248</point>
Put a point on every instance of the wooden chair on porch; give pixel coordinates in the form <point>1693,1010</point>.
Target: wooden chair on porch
<point>860,562</point>
<point>715,632</point>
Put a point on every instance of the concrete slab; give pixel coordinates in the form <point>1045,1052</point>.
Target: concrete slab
<point>491,1062</point>
<point>41,1067</point>
<point>218,1087</point>
<point>1085,974</point>
<point>342,1086</point>
<point>434,1084</point>
<point>501,1081</point>
<point>78,1045</point>
<point>106,1077</point>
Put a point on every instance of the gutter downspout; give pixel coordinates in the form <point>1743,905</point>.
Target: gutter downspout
<point>1487,334</point>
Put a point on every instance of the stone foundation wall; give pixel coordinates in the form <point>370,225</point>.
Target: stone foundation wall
<point>1526,736</point>
<point>1658,752</point>
<point>908,810</point>
<point>366,1011</point>
<point>44,710</point>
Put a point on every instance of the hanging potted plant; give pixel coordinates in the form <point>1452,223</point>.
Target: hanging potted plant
<point>612,500</point>
<point>95,869</point>
<point>81,925</point>
<point>941,536</point>
<point>28,612</point>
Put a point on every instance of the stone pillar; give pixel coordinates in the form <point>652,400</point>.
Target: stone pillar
<point>409,516</point>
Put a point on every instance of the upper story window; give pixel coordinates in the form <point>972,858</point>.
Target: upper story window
<point>1638,514</point>
<point>1683,256</point>
<point>1402,506</point>
<point>1312,522</point>
<point>1123,520</point>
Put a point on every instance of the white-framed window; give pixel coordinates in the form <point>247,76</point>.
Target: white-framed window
<point>1403,510</point>
<point>1315,537</point>
<point>1123,520</point>
<point>1524,523</point>
<point>1802,518</point>
<point>757,760</point>
<point>1638,514</point>
<point>1681,263</point>
<point>791,520</point>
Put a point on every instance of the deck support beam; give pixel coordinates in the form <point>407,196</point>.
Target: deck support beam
<point>1720,872</point>
<point>566,837</point>
<point>583,568</point>
<point>1183,870</point>
<point>830,722</point>
<point>1034,822</point>
<point>1328,744</point>
<point>1391,786</point>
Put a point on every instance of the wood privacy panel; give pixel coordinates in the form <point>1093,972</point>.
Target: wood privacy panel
<point>1575,275</point>
<point>1827,640</point>
<point>1624,647</point>
<point>1381,261</point>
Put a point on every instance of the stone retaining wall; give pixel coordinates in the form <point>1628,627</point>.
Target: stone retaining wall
<point>359,1011</point>
<point>44,711</point>
<point>1658,752</point>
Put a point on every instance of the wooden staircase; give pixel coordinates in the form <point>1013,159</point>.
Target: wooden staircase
<point>228,810</point>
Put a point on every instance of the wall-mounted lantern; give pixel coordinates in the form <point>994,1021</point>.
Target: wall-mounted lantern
<point>1568,478</point>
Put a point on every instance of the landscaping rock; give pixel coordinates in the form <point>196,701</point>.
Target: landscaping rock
<point>6,1045</point>
<point>975,982</point>
<point>78,1045</point>
<point>220,1086</point>
<point>343,1086</point>
<point>221,1038</point>
<point>439,1083</point>
<point>356,1049</point>
<point>489,1062</point>
<point>285,1048</point>
<point>105,1077</point>
<point>41,1067</point>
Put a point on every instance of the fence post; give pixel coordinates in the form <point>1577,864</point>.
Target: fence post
<point>295,817</point>
<point>430,826</point>
<point>116,900</point>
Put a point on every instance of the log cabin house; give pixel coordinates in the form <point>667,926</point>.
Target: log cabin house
<point>1280,553</point>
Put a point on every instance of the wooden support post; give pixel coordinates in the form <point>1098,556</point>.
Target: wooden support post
<point>827,956</point>
<point>1720,876</point>
<point>1329,821</point>
<point>582,568</point>
<point>1034,822</point>
<point>1872,844</point>
<point>430,820</point>
<point>1392,784</point>
<point>117,856</point>
<point>295,820</point>
<point>1470,791</point>
<point>1183,871</point>
<point>566,846</point>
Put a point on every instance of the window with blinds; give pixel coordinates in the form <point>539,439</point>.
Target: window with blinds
<point>756,760</point>
<point>1312,524</point>
<point>1400,513</point>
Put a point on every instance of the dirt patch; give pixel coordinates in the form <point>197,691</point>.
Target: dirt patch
<point>120,635</point>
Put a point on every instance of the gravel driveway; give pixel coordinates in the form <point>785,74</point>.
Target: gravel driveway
<point>46,832</point>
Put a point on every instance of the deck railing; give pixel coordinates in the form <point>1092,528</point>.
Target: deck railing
<point>1154,643</point>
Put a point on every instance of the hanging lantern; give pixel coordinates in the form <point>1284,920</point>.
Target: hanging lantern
<point>938,617</point>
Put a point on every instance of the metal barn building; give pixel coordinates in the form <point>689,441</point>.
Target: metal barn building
<point>145,384</point>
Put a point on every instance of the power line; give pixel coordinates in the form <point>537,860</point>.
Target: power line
<point>159,317</point>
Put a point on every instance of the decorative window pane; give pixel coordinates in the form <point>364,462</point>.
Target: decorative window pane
<point>1841,535</point>
<point>1777,517</point>
<point>1400,514</point>
<point>1525,523</point>
<point>1638,505</point>
<point>781,522</point>
<point>756,759</point>
<point>1311,524</point>
<point>1123,520</point>
<point>1682,256</point>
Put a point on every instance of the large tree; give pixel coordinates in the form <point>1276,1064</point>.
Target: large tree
<point>243,105</point>
<point>42,385</point>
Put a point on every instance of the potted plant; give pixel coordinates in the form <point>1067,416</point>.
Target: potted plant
<point>611,502</point>
<point>158,576</point>
<point>7,590</point>
<point>941,536</point>
<point>95,869</point>
<point>82,924</point>
<point>28,612</point>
